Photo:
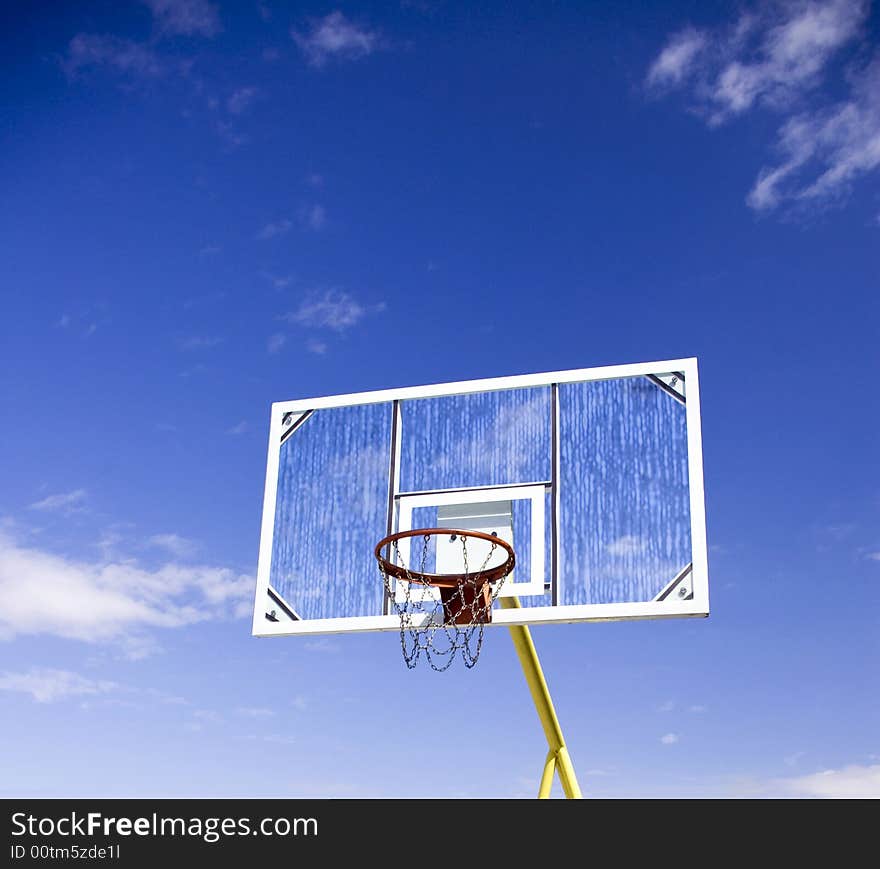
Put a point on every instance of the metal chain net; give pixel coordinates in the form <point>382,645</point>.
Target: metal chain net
<point>425,625</point>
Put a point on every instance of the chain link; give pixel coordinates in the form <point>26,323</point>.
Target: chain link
<point>422,621</point>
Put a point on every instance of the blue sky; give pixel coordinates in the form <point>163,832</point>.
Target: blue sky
<point>208,207</point>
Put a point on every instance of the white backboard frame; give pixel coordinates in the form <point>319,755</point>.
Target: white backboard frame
<point>696,606</point>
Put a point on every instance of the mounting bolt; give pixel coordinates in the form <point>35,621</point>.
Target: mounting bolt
<point>683,591</point>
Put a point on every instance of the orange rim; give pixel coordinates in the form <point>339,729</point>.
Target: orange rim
<point>444,580</point>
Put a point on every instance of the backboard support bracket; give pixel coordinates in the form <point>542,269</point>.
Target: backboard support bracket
<point>672,384</point>
<point>679,588</point>
<point>276,600</point>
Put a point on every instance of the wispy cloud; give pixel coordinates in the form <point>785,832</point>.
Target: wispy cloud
<point>313,216</point>
<point>794,759</point>
<point>275,342</point>
<point>335,37</point>
<point>849,782</point>
<point>48,685</point>
<point>89,50</point>
<point>322,645</point>
<point>238,428</point>
<point>274,229</point>
<point>195,370</point>
<point>678,59</point>
<point>85,323</point>
<point>669,738</point>
<point>279,282</point>
<point>769,55</point>
<point>278,738</point>
<point>255,711</point>
<point>331,310</point>
<point>319,348</point>
<point>210,250</point>
<point>241,99</point>
<point>110,601</point>
<point>185,17</point>
<point>182,547</point>
<point>873,556</point>
<point>825,151</point>
<point>775,57</point>
<point>199,342</point>
<point>666,706</point>
<point>200,718</point>
<point>63,502</point>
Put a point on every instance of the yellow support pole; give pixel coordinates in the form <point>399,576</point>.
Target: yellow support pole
<point>547,776</point>
<point>558,758</point>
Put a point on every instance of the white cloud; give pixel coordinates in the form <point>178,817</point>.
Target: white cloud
<point>199,342</point>
<point>697,708</point>
<point>825,151</point>
<point>279,282</point>
<point>110,601</point>
<point>669,738</point>
<point>121,55</point>
<point>873,556</point>
<point>279,739</point>
<point>667,706</point>
<point>195,370</point>
<point>255,711</point>
<point>48,685</point>
<point>182,547</point>
<point>794,759</point>
<point>274,229</point>
<point>332,310</point>
<point>677,61</point>
<point>185,17</point>
<point>319,348</point>
<point>335,37</point>
<point>776,58</point>
<point>850,782</point>
<point>275,342</point>
<point>322,645</point>
<point>64,502</point>
<point>241,99</point>
<point>769,56</point>
<point>314,216</point>
<point>238,428</point>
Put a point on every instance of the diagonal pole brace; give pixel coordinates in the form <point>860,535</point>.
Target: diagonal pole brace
<point>558,758</point>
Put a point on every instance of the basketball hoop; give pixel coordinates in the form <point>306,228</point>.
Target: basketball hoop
<point>451,608</point>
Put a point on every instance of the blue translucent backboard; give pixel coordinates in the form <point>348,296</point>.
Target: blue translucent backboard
<point>599,471</point>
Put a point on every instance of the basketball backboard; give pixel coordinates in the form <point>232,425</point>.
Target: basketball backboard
<point>594,475</point>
